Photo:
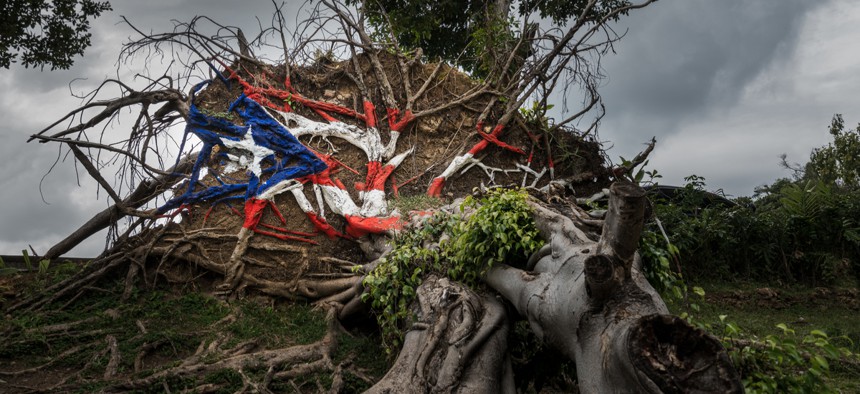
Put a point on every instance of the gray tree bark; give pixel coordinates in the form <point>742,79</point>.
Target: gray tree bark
<point>589,300</point>
<point>457,345</point>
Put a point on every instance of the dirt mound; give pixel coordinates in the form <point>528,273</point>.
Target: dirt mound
<point>287,245</point>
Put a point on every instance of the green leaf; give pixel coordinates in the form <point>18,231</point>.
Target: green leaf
<point>27,262</point>
<point>43,266</point>
<point>784,328</point>
<point>732,329</point>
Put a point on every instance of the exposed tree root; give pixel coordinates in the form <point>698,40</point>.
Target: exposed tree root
<point>69,352</point>
<point>192,248</point>
<point>458,344</point>
<point>258,367</point>
<point>280,364</point>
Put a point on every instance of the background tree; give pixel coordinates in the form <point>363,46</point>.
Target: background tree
<point>476,34</point>
<point>46,33</point>
<point>838,162</point>
<point>801,229</point>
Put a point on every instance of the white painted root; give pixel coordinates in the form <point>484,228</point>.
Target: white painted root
<point>528,170</point>
<point>368,140</point>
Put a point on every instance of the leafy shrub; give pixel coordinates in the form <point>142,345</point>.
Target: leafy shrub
<point>390,287</point>
<point>838,162</point>
<point>657,257</point>
<point>805,232</point>
<point>783,363</point>
<point>500,230</point>
<point>804,229</point>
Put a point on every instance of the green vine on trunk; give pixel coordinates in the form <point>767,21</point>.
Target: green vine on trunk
<point>501,229</point>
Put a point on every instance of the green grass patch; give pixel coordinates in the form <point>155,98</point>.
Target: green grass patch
<point>366,352</point>
<point>229,380</point>
<point>178,321</point>
<point>834,321</point>
<point>798,308</point>
<point>419,202</point>
<point>806,333</point>
<point>277,326</point>
<point>179,312</point>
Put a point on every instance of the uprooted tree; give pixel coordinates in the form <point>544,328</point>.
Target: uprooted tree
<point>290,182</point>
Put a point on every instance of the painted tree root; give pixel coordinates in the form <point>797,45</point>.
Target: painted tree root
<point>589,300</point>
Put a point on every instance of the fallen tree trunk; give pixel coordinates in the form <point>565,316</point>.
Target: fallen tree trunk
<point>590,301</point>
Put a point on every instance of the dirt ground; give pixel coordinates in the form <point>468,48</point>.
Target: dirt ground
<point>772,298</point>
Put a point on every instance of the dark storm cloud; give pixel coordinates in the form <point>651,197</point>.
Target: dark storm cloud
<point>697,74</point>
<point>24,218</point>
<point>683,58</point>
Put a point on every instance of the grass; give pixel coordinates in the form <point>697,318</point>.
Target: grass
<point>276,326</point>
<point>800,308</point>
<point>181,319</point>
<point>177,318</point>
<point>419,202</point>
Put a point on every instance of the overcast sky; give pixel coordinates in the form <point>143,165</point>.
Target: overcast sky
<point>726,87</point>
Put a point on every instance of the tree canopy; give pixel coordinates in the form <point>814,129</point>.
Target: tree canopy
<point>839,161</point>
<point>41,33</point>
<point>471,32</point>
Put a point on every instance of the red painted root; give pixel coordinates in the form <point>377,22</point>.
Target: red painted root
<point>357,226</point>
<point>436,186</point>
